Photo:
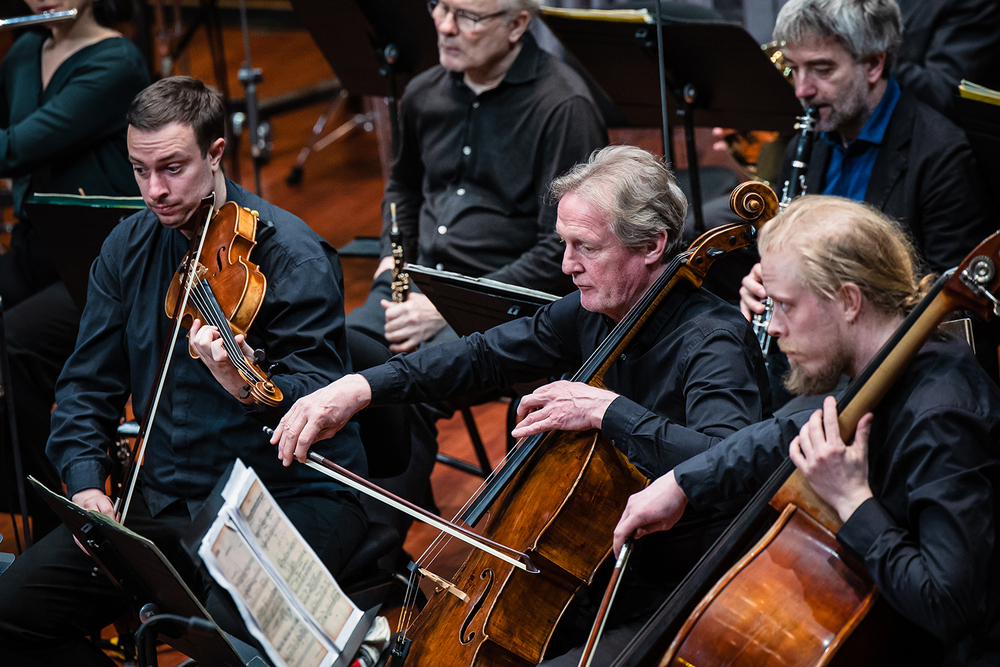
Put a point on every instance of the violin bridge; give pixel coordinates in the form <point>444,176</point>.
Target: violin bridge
<point>445,584</point>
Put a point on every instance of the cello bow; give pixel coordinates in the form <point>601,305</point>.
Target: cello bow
<point>973,286</point>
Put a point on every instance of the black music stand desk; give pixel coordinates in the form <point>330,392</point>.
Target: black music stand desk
<point>73,228</point>
<point>471,305</point>
<point>732,81</point>
<point>143,575</point>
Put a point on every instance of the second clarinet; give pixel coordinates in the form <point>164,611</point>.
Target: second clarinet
<point>400,279</point>
<point>795,186</point>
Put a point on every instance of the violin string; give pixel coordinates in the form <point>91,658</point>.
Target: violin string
<point>209,307</point>
<point>215,319</point>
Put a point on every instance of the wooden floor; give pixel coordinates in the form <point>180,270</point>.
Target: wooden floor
<point>339,197</point>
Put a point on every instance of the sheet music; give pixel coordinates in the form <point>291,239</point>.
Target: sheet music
<point>299,566</point>
<point>291,636</point>
<point>289,600</point>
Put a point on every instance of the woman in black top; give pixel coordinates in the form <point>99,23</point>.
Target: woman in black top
<point>64,90</point>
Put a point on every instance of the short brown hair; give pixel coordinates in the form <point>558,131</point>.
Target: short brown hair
<point>184,100</point>
<point>842,241</point>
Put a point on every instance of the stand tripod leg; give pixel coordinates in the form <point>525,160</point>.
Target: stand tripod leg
<point>316,144</point>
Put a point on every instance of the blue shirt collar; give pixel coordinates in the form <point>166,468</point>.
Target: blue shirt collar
<point>874,130</point>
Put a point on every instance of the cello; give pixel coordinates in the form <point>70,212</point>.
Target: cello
<point>556,498</point>
<point>811,608</point>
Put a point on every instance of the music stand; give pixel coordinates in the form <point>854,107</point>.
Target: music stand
<point>373,45</point>
<point>471,305</point>
<point>73,228</point>
<point>717,75</point>
<point>143,576</point>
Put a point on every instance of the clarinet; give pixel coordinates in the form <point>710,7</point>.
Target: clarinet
<point>400,278</point>
<point>795,186</point>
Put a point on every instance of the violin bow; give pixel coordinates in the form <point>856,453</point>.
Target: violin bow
<point>132,471</point>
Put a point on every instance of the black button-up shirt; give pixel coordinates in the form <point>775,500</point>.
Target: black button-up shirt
<point>199,429</point>
<point>471,174</point>
<point>928,538</point>
<point>692,377</point>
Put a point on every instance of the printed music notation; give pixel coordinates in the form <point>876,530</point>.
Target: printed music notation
<point>289,600</point>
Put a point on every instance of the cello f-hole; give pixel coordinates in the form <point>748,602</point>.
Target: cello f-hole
<point>475,608</point>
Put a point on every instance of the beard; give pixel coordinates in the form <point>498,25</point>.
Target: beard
<point>800,382</point>
<point>850,108</point>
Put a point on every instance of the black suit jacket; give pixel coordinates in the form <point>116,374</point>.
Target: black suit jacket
<point>925,177</point>
<point>945,41</point>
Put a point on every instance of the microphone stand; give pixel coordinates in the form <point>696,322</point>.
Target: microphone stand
<point>250,77</point>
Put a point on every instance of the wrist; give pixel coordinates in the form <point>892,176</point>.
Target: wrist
<point>849,505</point>
<point>360,390</point>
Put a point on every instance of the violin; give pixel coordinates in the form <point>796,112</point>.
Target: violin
<point>225,290</point>
<point>217,283</point>
<point>556,498</point>
<point>796,596</point>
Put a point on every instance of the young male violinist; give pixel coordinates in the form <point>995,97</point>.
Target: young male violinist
<point>918,489</point>
<point>692,376</point>
<point>49,598</point>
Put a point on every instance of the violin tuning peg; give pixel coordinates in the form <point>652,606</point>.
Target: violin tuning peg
<point>245,391</point>
<point>271,369</point>
<point>259,357</point>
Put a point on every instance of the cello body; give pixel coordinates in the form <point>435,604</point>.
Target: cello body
<point>797,598</point>
<point>565,505</point>
<point>797,595</point>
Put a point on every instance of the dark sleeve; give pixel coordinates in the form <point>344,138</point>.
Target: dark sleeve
<point>573,132</point>
<point>95,99</point>
<point>405,186</point>
<point>933,564</point>
<point>965,45</point>
<point>94,384</point>
<point>518,351</point>
<point>302,329</point>
<point>741,463</point>
<point>721,396</point>
<point>950,206</point>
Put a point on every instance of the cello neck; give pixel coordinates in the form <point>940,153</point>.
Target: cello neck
<point>753,201</point>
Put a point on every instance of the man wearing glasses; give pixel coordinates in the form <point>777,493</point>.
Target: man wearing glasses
<point>482,136</point>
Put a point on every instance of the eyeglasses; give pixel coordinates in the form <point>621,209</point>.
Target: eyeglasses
<point>464,21</point>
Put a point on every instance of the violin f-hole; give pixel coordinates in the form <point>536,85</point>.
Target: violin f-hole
<point>475,608</point>
<point>219,259</point>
